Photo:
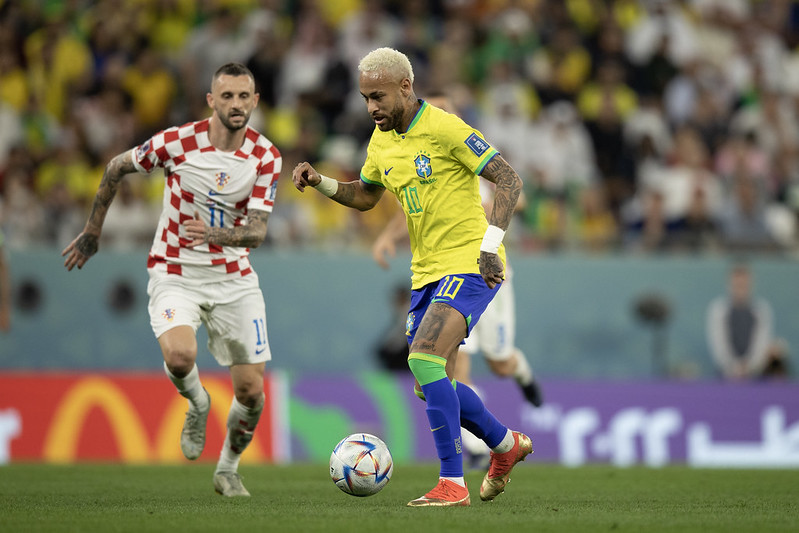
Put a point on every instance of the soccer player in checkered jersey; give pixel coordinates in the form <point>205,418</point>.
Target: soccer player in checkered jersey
<point>430,160</point>
<point>221,177</point>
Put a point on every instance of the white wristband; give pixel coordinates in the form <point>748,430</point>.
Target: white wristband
<point>328,186</point>
<point>492,239</point>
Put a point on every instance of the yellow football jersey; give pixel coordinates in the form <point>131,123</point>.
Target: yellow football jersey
<point>433,170</point>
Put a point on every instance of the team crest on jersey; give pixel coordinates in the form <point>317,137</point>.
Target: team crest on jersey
<point>221,178</point>
<point>169,314</point>
<point>423,168</point>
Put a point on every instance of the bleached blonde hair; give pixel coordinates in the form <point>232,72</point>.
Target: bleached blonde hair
<point>389,60</point>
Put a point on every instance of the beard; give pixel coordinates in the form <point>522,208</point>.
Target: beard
<point>393,119</point>
<point>227,121</point>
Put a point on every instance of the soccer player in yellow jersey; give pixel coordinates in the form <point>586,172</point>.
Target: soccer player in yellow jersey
<point>430,160</point>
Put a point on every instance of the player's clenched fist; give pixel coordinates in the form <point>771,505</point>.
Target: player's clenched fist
<point>304,175</point>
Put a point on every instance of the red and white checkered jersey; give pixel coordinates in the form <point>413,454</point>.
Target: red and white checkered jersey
<point>219,186</point>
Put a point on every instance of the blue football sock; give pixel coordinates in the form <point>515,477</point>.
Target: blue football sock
<point>442,413</point>
<point>477,419</point>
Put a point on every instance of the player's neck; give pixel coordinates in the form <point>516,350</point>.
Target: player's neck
<point>410,114</point>
<point>222,138</point>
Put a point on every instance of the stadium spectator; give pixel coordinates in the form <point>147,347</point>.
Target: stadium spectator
<point>59,65</point>
<point>605,105</point>
<point>507,110</point>
<point>512,38</point>
<point>740,328</point>
<point>11,126</point>
<point>198,264</point>
<point>596,227</point>
<point>14,90</point>
<point>645,222</point>
<point>131,221</point>
<point>697,231</point>
<point>563,163</point>
<point>663,30</point>
<point>105,121</point>
<point>217,40</point>
<point>743,220</point>
<point>562,66</point>
<point>266,60</point>
<point>23,213</point>
<point>152,90</point>
<point>169,26</point>
<point>607,89</point>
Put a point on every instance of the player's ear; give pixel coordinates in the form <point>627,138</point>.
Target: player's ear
<point>405,87</point>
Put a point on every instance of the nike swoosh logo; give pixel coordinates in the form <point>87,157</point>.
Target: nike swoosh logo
<point>436,429</point>
<point>386,171</point>
<point>259,352</point>
<point>212,192</point>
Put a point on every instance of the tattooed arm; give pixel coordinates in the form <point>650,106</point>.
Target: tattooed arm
<point>356,194</point>
<point>85,245</point>
<point>250,235</point>
<point>509,187</point>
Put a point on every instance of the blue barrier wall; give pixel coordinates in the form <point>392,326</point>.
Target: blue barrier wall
<point>325,312</point>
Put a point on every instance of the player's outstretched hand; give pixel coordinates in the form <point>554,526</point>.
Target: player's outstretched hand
<point>383,249</point>
<point>196,230</point>
<point>304,175</point>
<point>80,250</point>
<point>492,269</point>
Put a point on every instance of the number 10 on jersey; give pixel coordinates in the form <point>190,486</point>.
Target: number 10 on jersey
<point>412,202</point>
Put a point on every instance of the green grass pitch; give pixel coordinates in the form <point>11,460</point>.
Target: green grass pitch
<point>301,498</point>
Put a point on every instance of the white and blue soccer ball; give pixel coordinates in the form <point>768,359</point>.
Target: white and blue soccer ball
<point>361,464</point>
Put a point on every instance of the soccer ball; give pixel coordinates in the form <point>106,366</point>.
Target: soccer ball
<point>361,464</point>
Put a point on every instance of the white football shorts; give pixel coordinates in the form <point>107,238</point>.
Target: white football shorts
<point>495,333</point>
<point>232,311</point>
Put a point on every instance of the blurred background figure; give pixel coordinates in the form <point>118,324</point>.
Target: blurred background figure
<point>392,345</point>
<point>5,289</point>
<point>740,329</point>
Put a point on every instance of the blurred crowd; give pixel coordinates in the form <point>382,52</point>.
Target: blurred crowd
<point>652,126</point>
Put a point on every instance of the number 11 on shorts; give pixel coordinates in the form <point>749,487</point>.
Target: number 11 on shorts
<point>260,332</point>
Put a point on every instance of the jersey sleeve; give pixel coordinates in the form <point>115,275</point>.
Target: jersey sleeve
<point>370,171</point>
<point>265,188</point>
<point>465,143</point>
<point>151,154</point>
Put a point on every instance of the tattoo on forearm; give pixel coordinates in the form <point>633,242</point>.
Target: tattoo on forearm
<point>87,245</point>
<point>345,194</point>
<point>250,235</point>
<point>509,187</point>
<point>112,176</point>
<point>358,195</point>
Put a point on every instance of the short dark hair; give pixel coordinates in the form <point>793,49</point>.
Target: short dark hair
<point>233,69</point>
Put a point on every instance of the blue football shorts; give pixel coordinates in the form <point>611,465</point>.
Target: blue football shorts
<point>467,293</point>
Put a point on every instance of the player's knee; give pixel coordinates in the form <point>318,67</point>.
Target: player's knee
<point>417,390</point>
<point>502,368</point>
<point>249,393</point>
<point>179,361</point>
